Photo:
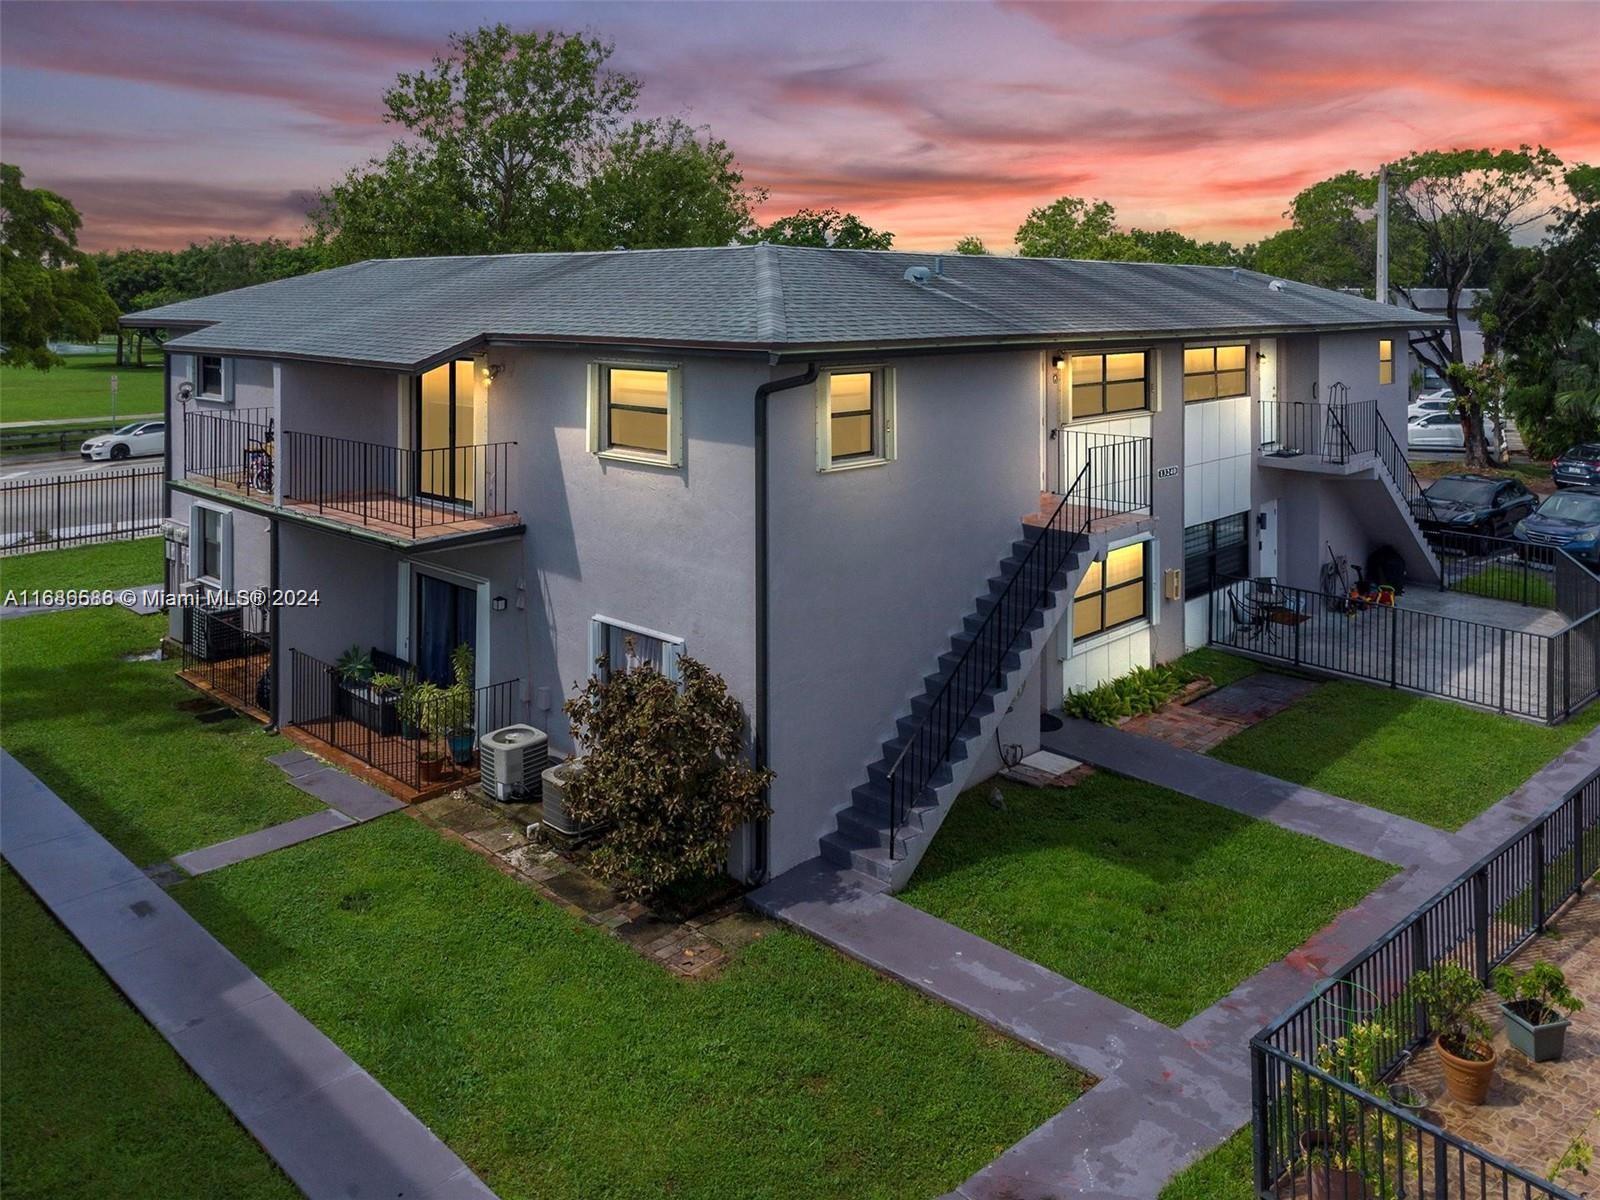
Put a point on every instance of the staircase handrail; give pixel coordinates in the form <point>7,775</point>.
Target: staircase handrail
<point>1405,479</point>
<point>966,683</point>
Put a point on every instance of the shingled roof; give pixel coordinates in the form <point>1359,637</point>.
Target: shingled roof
<point>406,313</point>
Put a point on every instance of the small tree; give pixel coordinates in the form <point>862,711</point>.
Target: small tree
<point>663,764</point>
<point>971,245</point>
<point>825,227</point>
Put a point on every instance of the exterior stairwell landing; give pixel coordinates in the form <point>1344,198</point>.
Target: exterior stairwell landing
<point>861,839</point>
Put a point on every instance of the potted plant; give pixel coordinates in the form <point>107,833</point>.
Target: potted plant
<point>426,705</point>
<point>352,671</point>
<point>1537,1007</point>
<point>457,703</point>
<point>1450,994</point>
<point>385,690</point>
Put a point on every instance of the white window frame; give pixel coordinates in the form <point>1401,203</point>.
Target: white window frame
<point>599,397</point>
<point>1152,603</point>
<point>226,395</point>
<point>883,430</point>
<point>671,645</point>
<point>197,545</point>
<point>1382,362</point>
<point>408,571</point>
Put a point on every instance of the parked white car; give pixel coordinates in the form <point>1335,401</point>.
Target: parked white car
<point>1430,402</point>
<point>139,440</point>
<point>1442,431</point>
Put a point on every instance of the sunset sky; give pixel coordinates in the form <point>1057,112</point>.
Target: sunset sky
<point>167,123</point>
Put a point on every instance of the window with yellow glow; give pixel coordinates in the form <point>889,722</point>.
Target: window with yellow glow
<point>853,405</point>
<point>636,404</point>
<point>1385,361</point>
<point>1215,373</point>
<point>1107,383</point>
<point>1111,593</point>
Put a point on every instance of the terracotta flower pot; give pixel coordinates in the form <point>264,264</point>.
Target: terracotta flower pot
<point>1466,1079</point>
<point>1329,1182</point>
<point>432,769</point>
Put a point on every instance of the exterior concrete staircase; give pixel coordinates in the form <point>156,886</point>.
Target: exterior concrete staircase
<point>865,832</point>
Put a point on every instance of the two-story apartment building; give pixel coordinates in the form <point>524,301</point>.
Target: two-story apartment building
<point>800,466</point>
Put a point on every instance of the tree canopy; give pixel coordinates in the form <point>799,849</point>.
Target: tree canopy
<point>825,227</point>
<point>49,289</point>
<point>971,245</point>
<point>524,142</point>
<point>140,279</point>
<point>1074,227</point>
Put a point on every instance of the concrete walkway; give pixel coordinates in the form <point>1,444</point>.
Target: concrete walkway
<point>1165,1096</point>
<point>144,600</point>
<point>350,802</point>
<point>335,1131</point>
<point>1332,819</point>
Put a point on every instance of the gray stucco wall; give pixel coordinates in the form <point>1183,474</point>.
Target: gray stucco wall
<point>873,569</point>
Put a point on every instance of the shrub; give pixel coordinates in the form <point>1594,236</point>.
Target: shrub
<point>1449,993</point>
<point>663,764</point>
<point>1142,690</point>
<point>1540,993</point>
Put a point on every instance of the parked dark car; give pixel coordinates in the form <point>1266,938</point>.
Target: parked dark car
<point>1570,519</point>
<point>1479,504</point>
<point>1578,467</point>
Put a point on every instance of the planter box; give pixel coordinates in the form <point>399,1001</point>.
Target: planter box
<point>1540,1043</point>
<point>366,708</point>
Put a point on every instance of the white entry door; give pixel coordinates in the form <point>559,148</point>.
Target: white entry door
<point>1267,388</point>
<point>1267,539</point>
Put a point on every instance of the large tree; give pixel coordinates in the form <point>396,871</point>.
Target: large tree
<point>1073,227</point>
<point>825,227</point>
<point>48,287</point>
<point>527,141</point>
<point>1332,239</point>
<point>1466,206</point>
<point>1540,315</point>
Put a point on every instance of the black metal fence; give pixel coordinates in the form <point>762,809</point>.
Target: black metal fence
<point>388,485</point>
<point>1324,1121</point>
<point>229,650</point>
<point>231,449</point>
<point>1497,568</point>
<point>1542,676</point>
<point>422,740</point>
<point>77,509</point>
<point>1116,469</point>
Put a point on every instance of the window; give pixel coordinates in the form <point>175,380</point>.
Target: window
<point>1112,591</point>
<point>1107,383</point>
<point>631,646</point>
<point>1214,373</point>
<point>210,381</point>
<point>855,426</point>
<point>211,546</point>
<point>1385,361</point>
<point>636,412</point>
<point>1214,550</point>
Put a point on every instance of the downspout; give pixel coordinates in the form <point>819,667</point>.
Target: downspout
<point>274,638</point>
<point>762,829</point>
<point>167,582</point>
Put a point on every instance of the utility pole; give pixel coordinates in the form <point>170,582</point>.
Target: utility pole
<point>1381,290</point>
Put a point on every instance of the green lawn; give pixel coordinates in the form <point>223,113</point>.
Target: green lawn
<point>1498,582</point>
<point>1432,760</point>
<point>1219,666</point>
<point>109,738</point>
<point>81,387</point>
<point>1161,902</point>
<point>559,1063</point>
<point>93,1101</point>
<point>1224,1174</point>
<point>109,565</point>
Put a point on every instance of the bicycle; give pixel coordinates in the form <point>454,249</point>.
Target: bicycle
<point>258,463</point>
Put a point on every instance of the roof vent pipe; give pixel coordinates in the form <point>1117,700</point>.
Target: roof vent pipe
<point>918,275</point>
<point>1277,285</point>
<point>938,266</point>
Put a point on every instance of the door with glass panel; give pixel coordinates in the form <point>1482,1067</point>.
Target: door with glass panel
<point>445,419</point>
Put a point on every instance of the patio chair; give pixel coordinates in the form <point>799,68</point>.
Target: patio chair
<point>1249,620</point>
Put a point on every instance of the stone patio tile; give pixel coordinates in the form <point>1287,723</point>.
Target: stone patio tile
<point>587,894</point>
<point>499,838</point>
<point>357,800</point>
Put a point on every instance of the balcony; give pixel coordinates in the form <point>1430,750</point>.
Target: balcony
<point>390,492</point>
<point>1334,436</point>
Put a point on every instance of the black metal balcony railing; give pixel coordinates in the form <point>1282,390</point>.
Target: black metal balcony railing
<point>419,742</point>
<point>1337,430</point>
<point>390,486</point>
<point>1117,466</point>
<point>231,449</point>
<point>1324,1132</point>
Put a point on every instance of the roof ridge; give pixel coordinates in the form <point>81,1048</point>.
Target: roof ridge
<point>772,317</point>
